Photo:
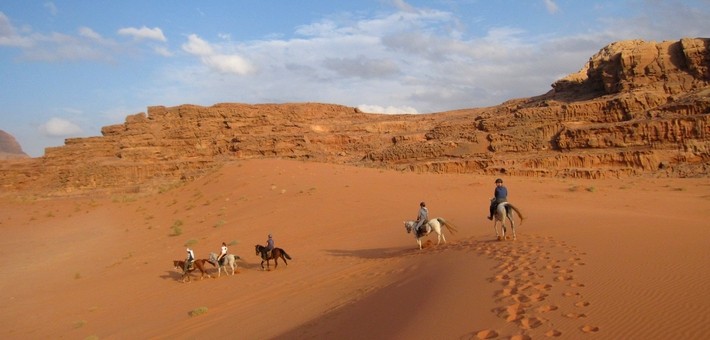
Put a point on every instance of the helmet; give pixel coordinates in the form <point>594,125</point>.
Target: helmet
<point>269,235</point>
<point>188,250</point>
<point>499,180</point>
<point>422,204</point>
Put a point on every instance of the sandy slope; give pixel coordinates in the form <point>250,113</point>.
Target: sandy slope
<point>599,259</point>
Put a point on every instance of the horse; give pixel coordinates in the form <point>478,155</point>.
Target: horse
<point>197,264</point>
<point>276,253</point>
<point>501,214</point>
<point>228,260</point>
<point>433,225</point>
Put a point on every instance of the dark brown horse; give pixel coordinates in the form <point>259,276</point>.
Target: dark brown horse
<point>197,264</point>
<point>276,253</point>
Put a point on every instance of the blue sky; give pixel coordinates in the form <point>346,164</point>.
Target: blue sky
<point>68,68</point>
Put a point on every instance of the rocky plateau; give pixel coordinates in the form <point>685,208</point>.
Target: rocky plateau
<point>637,108</point>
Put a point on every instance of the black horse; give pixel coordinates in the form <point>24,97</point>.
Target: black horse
<point>276,253</point>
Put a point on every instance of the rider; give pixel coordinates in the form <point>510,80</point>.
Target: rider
<point>500,195</point>
<point>189,260</point>
<point>422,217</point>
<point>269,246</point>
<point>222,254</point>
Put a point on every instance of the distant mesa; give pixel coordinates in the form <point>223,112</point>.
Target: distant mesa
<point>10,148</point>
<point>636,108</point>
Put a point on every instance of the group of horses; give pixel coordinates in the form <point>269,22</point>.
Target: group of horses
<point>504,211</point>
<point>230,262</point>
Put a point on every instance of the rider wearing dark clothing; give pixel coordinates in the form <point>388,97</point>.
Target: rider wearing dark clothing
<point>500,195</point>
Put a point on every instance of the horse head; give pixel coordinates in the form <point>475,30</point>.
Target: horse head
<point>409,225</point>
<point>177,264</point>
<point>257,249</point>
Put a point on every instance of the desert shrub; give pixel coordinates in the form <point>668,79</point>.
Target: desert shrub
<point>176,228</point>
<point>198,311</point>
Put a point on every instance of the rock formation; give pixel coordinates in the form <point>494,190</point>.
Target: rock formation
<point>636,109</point>
<point>9,148</point>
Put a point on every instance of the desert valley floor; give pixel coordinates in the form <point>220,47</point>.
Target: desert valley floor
<point>598,259</point>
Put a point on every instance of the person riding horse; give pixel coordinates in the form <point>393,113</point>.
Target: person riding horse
<point>189,260</point>
<point>422,217</point>
<point>269,246</point>
<point>222,254</point>
<point>500,195</point>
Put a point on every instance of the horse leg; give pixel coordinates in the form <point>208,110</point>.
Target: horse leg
<point>419,242</point>
<point>512,227</point>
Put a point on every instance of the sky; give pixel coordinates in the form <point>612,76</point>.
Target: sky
<point>69,68</point>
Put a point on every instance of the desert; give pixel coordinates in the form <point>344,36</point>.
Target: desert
<point>594,258</point>
<point>609,170</point>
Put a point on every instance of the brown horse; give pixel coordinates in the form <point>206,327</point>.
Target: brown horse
<point>197,264</point>
<point>276,253</point>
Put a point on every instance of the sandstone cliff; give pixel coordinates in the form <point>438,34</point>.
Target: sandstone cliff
<point>636,109</point>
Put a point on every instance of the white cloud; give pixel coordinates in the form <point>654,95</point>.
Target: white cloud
<point>195,45</point>
<point>9,36</point>
<point>58,127</point>
<point>143,33</point>
<point>51,7</point>
<point>386,109</point>
<point>89,33</point>
<point>551,6</point>
<point>219,62</point>
<point>163,51</point>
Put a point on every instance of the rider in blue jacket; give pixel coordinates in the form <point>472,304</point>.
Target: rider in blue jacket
<point>500,195</point>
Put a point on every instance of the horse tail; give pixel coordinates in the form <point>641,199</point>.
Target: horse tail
<point>517,211</point>
<point>452,228</point>
<point>286,255</point>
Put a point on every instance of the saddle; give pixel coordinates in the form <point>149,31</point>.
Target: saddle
<point>423,230</point>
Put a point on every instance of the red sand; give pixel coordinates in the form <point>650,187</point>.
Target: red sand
<point>600,259</point>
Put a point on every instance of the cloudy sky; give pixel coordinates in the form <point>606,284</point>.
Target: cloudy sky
<point>68,68</point>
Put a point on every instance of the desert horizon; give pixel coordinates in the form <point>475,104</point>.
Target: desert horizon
<point>612,258</point>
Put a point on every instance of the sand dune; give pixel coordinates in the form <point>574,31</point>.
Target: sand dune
<point>595,259</point>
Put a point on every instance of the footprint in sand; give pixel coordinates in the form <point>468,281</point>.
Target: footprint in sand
<point>543,287</point>
<point>553,333</point>
<point>510,313</point>
<point>546,308</point>
<point>589,329</point>
<point>564,278</point>
<point>487,334</point>
<point>575,315</point>
<point>576,285</point>
<point>582,304</point>
<point>530,323</point>
<point>520,337</point>
<point>571,294</point>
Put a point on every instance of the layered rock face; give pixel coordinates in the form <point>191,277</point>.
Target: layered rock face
<point>636,109</point>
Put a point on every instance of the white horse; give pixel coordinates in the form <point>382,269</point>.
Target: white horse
<point>433,225</point>
<point>501,214</point>
<point>228,260</point>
